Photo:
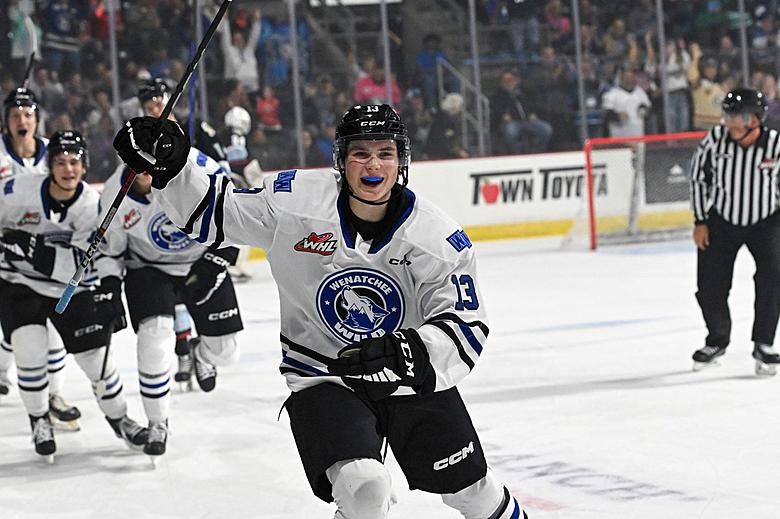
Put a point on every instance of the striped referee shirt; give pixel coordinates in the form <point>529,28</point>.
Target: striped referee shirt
<point>740,184</point>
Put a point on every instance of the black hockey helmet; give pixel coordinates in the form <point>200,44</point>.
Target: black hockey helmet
<point>372,123</point>
<point>19,97</point>
<point>67,141</point>
<point>745,101</point>
<point>152,88</point>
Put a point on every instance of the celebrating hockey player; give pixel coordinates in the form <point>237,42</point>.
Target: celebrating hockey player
<point>46,224</point>
<point>22,151</point>
<point>381,313</point>
<point>161,266</point>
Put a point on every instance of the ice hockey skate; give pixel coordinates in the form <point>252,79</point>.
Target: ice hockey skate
<point>128,430</point>
<point>156,440</point>
<point>184,373</point>
<point>5,382</point>
<point>707,357</point>
<point>64,417</point>
<point>205,373</point>
<point>767,359</point>
<point>43,436</point>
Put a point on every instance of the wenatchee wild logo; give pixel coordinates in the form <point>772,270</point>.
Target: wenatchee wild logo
<point>167,236</point>
<point>357,304</point>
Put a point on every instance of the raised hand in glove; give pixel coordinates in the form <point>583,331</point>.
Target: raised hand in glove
<point>375,368</point>
<point>109,310</point>
<point>23,246</point>
<point>207,274</point>
<point>149,145</point>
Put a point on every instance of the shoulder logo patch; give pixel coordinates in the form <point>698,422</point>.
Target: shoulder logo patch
<point>317,243</point>
<point>459,240</point>
<point>284,180</point>
<point>357,304</point>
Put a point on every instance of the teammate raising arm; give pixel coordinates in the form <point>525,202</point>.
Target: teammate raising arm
<point>381,314</point>
<point>46,225</point>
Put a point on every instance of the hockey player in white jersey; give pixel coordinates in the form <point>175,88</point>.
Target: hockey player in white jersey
<point>22,151</point>
<point>381,314</point>
<point>161,266</point>
<point>46,222</point>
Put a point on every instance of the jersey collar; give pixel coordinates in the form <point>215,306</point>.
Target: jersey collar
<point>45,197</point>
<point>40,150</point>
<point>350,234</point>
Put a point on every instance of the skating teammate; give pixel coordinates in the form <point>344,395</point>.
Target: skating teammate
<point>161,266</point>
<point>734,183</point>
<point>47,221</point>
<point>381,313</point>
<point>23,152</point>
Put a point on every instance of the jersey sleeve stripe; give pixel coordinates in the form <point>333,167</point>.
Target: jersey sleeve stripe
<point>205,223</point>
<point>303,350</point>
<point>285,370</point>
<point>199,209</point>
<point>454,338</point>
<point>449,316</point>
<point>219,213</point>
<point>301,365</point>
<point>471,338</point>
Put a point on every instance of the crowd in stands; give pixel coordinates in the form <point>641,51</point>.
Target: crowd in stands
<point>530,75</point>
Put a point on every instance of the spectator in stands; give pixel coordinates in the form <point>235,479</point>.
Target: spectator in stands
<point>63,22</point>
<point>642,18</point>
<point>522,19</point>
<point>626,105</point>
<point>371,89</point>
<point>267,109</point>
<point>555,93</point>
<point>769,88</point>
<point>50,92</point>
<point>325,96</point>
<point>615,42</point>
<point>558,25</point>
<point>517,128</point>
<point>678,61</point>
<point>728,54</point>
<point>416,117</point>
<point>238,50</point>
<point>707,93</point>
<point>25,37</point>
<point>425,68</point>
<point>445,138</point>
<point>595,87</point>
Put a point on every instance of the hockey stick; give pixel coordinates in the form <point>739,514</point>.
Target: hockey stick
<point>67,294</point>
<point>26,80</point>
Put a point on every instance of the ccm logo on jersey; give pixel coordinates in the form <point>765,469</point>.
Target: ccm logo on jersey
<point>131,218</point>
<point>92,328</point>
<point>225,314</point>
<point>454,458</point>
<point>30,218</point>
<point>318,244</point>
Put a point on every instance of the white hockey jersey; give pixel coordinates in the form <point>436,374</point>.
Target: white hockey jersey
<point>142,235</point>
<point>24,205</point>
<point>334,288</point>
<point>12,164</point>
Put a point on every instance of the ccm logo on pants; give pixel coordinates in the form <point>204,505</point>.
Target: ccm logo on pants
<point>454,458</point>
<point>224,314</point>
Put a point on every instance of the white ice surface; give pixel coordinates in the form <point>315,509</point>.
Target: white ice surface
<point>584,398</point>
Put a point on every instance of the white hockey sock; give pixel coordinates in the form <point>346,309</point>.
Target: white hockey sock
<point>56,360</point>
<point>112,402</point>
<point>219,351</point>
<point>485,499</point>
<point>31,368</point>
<point>155,336</point>
<point>6,356</point>
<point>361,489</point>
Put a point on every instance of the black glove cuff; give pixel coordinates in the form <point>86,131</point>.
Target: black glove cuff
<point>223,258</point>
<point>424,380</point>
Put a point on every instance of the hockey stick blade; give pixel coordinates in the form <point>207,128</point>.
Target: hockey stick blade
<point>67,294</point>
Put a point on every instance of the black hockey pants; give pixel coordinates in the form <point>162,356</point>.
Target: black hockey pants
<point>716,270</point>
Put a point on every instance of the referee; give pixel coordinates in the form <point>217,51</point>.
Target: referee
<point>734,187</point>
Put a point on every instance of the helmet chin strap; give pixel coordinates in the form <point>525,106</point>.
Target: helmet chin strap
<point>747,132</point>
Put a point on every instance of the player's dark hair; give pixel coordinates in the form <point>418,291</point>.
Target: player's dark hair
<point>67,141</point>
<point>17,98</point>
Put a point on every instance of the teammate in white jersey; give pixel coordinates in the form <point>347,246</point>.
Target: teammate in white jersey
<point>381,314</point>
<point>22,151</point>
<point>161,266</point>
<point>46,222</point>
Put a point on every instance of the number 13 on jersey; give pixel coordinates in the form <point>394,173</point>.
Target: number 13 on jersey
<point>467,293</point>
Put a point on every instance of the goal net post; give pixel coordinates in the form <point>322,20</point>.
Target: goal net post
<point>637,188</point>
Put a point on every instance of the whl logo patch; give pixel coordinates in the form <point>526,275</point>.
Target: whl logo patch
<point>318,244</point>
<point>30,218</point>
<point>131,218</point>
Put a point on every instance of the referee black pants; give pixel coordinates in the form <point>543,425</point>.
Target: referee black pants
<point>716,270</point>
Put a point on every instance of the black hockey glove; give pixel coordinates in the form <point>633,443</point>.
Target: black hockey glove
<point>23,246</point>
<point>207,274</point>
<point>109,310</point>
<point>149,145</point>
<point>375,368</point>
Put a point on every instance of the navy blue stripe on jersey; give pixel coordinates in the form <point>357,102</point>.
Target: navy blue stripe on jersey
<point>206,221</point>
<point>284,370</point>
<point>441,325</point>
<point>471,338</point>
<point>409,200</point>
<point>449,316</point>
<point>303,350</point>
<point>286,359</point>
<point>198,210</point>
<point>219,213</point>
<point>349,234</point>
